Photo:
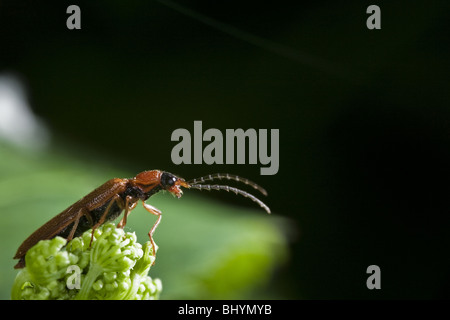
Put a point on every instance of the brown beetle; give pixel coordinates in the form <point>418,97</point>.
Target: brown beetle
<point>107,202</point>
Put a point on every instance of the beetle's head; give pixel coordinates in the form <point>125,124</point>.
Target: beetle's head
<point>172,184</point>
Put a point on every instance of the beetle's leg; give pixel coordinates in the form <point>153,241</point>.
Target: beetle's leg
<point>157,213</point>
<point>88,216</point>
<point>116,198</point>
<point>128,208</point>
<point>81,212</point>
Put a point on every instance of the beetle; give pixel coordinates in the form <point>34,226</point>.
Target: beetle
<point>107,202</point>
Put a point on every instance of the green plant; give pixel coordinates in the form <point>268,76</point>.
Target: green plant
<point>114,266</point>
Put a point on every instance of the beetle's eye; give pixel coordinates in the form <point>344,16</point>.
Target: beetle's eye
<point>167,180</point>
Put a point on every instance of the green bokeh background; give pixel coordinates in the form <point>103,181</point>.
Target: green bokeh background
<point>364,125</point>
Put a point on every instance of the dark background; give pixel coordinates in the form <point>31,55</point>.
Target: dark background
<point>363,115</point>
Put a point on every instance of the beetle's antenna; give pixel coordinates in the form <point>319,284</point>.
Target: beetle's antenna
<point>210,187</point>
<point>228,176</point>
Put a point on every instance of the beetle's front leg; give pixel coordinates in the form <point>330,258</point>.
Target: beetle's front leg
<point>157,213</point>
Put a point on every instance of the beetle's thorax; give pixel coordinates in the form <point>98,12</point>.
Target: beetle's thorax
<point>138,192</point>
